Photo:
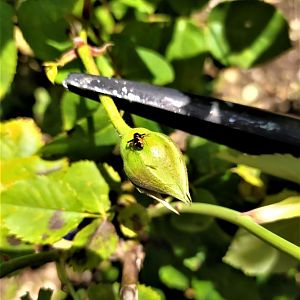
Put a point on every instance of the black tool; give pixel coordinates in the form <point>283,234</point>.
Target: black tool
<point>244,128</point>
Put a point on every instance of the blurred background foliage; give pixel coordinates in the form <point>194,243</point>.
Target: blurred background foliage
<point>187,45</point>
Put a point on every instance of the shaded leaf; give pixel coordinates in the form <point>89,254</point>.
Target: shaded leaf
<point>244,33</point>
<point>50,203</point>
<point>187,40</point>
<point>142,6</point>
<point>173,278</point>
<point>46,33</point>
<point>133,219</point>
<point>146,123</point>
<point>45,294</point>
<point>75,108</point>
<point>160,69</point>
<point>186,7</point>
<point>8,49</point>
<point>91,138</point>
<point>284,166</point>
<point>19,138</point>
<point>102,291</point>
<point>205,290</point>
<point>16,169</point>
<point>99,239</point>
<point>255,257</point>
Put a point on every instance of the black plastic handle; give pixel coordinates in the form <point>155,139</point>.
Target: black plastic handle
<point>244,128</point>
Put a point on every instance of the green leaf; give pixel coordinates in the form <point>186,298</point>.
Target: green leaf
<point>189,75</point>
<point>205,290</point>
<point>194,223</point>
<point>102,291</point>
<point>255,257</point>
<point>75,108</point>
<point>46,33</point>
<point>283,166</point>
<point>245,33</point>
<point>8,49</point>
<point>133,219</point>
<point>51,204</point>
<point>209,163</point>
<point>104,19</point>
<point>99,239</point>
<point>250,175</point>
<point>16,169</point>
<point>160,69</point>
<point>147,293</point>
<point>92,138</point>
<point>90,187</point>
<point>173,278</point>
<point>146,123</point>
<point>11,245</point>
<point>187,40</point>
<point>19,138</point>
<point>142,6</point>
<point>186,7</point>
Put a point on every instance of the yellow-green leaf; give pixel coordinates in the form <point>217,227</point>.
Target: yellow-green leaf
<point>19,138</point>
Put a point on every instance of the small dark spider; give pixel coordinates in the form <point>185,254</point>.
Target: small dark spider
<point>137,142</point>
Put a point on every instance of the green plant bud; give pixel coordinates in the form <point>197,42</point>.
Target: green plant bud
<point>154,164</point>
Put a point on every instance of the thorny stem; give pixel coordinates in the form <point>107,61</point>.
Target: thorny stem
<point>234,217</point>
<point>84,52</point>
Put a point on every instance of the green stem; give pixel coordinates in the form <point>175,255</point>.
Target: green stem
<point>63,276</point>
<point>234,217</point>
<point>107,102</point>
<point>35,259</point>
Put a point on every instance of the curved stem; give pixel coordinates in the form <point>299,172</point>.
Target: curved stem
<point>35,259</point>
<point>234,217</point>
<point>86,57</point>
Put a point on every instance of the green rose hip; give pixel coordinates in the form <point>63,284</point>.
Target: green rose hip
<point>154,164</point>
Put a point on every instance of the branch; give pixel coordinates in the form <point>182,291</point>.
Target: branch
<point>132,260</point>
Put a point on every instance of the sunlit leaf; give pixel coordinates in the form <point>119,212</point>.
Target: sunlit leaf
<point>88,184</point>
<point>51,71</point>
<point>244,33</point>
<point>21,168</point>
<point>8,50</point>
<point>250,175</point>
<point>19,138</point>
<point>147,293</point>
<point>285,209</point>
<point>283,166</point>
<point>51,204</point>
